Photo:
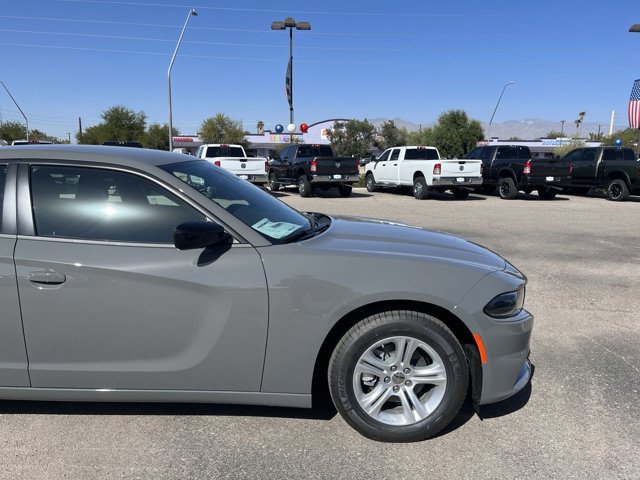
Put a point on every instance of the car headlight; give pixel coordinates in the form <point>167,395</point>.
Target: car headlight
<point>506,304</point>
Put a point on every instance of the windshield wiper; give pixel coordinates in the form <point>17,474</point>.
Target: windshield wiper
<point>306,233</point>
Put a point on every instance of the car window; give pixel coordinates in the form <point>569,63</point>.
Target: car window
<point>254,207</point>
<point>384,156</point>
<point>589,155</point>
<point>629,154</point>
<point>524,153</point>
<point>507,153</point>
<point>106,205</point>
<point>395,153</point>
<point>3,178</point>
<point>224,151</point>
<point>420,153</point>
<point>574,155</point>
<point>314,151</point>
<point>475,153</point>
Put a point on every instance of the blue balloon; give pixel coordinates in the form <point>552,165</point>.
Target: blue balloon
<point>279,128</point>
<point>617,142</point>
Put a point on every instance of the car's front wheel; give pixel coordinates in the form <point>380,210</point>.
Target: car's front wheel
<point>398,376</point>
<point>274,186</point>
<point>617,190</point>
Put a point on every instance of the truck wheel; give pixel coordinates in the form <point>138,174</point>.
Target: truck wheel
<point>304,187</point>
<point>420,188</point>
<point>460,193</point>
<point>617,190</point>
<point>370,182</point>
<point>398,376</point>
<point>547,193</point>
<point>344,190</point>
<point>507,188</point>
<point>274,186</point>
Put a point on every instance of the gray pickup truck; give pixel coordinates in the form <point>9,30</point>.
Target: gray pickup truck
<point>612,168</point>
<point>308,166</point>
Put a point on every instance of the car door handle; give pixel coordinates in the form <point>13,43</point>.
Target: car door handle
<point>395,164</point>
<point>47,278</point>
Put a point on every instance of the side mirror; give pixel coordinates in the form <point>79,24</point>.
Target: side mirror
<point>199,234</point>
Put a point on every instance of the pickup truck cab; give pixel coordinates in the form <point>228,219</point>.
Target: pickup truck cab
<point>423,169</point>
<point>511,168</point>
<point>234,159</point>
<point>309,165</point>
<point>612,168</point>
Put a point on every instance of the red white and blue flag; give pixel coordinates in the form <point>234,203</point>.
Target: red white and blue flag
<point>634,105</point>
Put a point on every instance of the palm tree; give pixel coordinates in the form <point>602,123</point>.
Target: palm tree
<point>260,127</point>
<point>578,122</point>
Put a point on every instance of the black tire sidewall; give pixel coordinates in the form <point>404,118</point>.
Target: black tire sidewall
<point>425,189</point>
<point>273,185</point>
<point>513,191</point>
<point>390,324</point>
<point>370,182</point>
<point>304,187</point>
<point>624,191</point>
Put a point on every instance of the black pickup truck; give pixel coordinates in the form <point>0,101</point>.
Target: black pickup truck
<point>309,166</point>
<point>612,168</point>
<point>511,168</point>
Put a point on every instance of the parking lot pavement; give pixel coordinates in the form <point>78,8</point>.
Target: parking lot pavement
<point>580,418</point>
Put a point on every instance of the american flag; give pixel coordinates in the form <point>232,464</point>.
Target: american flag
<point>634,105</point>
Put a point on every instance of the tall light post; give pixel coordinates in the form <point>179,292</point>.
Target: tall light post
<point>290,23</point>
<point>562,127</point>
<point>498,103</point>
<point>16,103</point>
<point>192,13</point>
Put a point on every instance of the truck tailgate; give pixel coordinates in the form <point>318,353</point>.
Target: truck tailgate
<point>550,168</point>
<point>336,165</point>
<point>460,168</point>
<point>241,165</point>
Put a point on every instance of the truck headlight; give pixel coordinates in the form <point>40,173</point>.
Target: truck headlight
<point>506,304</point>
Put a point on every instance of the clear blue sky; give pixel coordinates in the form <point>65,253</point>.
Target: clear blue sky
<point>412,59</point>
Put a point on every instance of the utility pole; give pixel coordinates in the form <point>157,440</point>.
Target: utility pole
<point>69,136</point>
<point>80,127</point>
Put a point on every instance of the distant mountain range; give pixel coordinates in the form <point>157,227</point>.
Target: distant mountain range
<point>527,129</point>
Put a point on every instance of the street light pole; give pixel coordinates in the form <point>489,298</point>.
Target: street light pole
<point>290,23</point>
<point>498,103</point>
<point>191,13</point>
<point>562,128</point>
<point>16,103</point>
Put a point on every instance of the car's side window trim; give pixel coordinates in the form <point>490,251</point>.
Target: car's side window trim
<point>8,215</point>
<point>26,222</point>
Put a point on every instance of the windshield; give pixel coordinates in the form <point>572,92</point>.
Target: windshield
<point>254,207</point>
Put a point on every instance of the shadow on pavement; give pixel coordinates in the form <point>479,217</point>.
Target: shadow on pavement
<point>10,407</point>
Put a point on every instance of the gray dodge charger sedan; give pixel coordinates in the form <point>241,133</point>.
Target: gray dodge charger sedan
<point>143,276</point>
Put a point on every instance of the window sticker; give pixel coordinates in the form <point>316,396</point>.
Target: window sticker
<point>276,230</point>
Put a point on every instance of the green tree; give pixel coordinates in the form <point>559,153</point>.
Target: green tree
<point>578,122</point>
<point>455,134</point>
<point>10,131</point>
<point>157,136</point>
<point>423,136</point>
<point>353,137</point>
<point>628,136</point>
<point>119,123</point>
<point>554,134</point>
<point>222,129</point>
<point>36,135</point>
<point>391,136</point>
<point>562,150</point>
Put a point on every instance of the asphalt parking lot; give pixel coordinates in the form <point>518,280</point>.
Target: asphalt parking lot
<point>579,419</point>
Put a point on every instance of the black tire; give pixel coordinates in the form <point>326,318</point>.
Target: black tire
<point>547,193</point>
<point>507,188</point>
<point>370,183</point>
<point>304,187</point>
<point>344,190</point>
<point>420,188</point>
<point>274,186</point>
<point>617,190</point>
<point>460,193</point>
<point>348,387</point>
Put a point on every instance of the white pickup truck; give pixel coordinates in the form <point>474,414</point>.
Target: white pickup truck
<point>234,159</point>
<point>423,169</point>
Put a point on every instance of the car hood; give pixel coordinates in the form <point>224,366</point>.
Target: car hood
<point>381,237</point>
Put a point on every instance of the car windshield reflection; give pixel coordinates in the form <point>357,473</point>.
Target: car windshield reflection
<point>254,207</point>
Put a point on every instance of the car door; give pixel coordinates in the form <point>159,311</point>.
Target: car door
<point>377,167</point>
<point>584,165</point>
<point>386,171</point>
<point>13,356</point>
<point>109,302</point>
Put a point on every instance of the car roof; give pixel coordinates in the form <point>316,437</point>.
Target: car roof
<point>131,157</point>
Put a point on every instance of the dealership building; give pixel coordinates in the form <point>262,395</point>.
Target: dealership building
<point>266,144</point>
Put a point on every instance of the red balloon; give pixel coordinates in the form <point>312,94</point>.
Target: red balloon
<point>304,127</point>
